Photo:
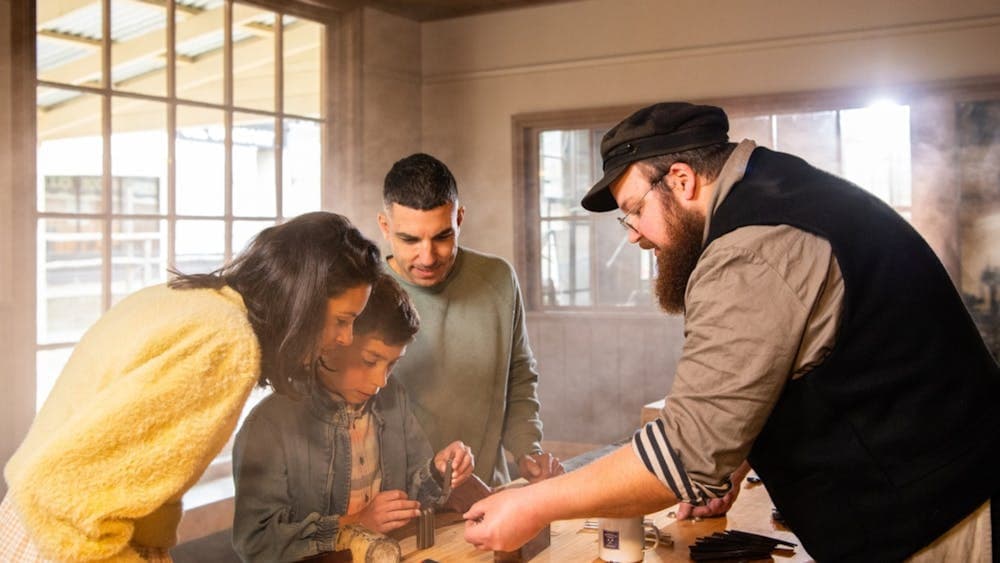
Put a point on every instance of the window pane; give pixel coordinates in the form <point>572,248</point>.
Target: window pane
<point>253,58</point>
<point>200,246</point>
<point>138,156</point>
<point>68,42</point>
<point>200,156</point>
<point>623,270</point>
<point>50,364</point>
<point>565,171</point>
<point>813,136</point>
<point>138,255</point>
<point>876,150</point>
<point>254,192</point>
<point>70,152</point>
<point>69,278</point>
<point>303,41</point>
<point>199,53</point>
<point>138,47</point>
<point>243,231</point>
<point>757,128</point>
<point>565,262</point>
<point>300,167</point>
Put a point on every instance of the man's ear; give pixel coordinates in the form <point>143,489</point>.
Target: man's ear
<point>460,216</point>
<point>383,224</point>
<point>683,180</point>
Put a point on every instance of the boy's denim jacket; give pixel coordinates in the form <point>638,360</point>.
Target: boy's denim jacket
<point>292,468</point>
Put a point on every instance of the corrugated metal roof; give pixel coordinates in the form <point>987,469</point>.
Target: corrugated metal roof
<point>200,4</point>
<point>209,42</point>
<point>84,22</point>
<point>130,19</point>
<point>136,68</point>
<point>53,54</point>
<point>48,97</point>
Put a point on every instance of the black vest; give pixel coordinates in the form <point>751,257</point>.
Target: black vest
<point>896,436</point>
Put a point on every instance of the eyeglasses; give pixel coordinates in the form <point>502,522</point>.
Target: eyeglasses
<point>624,219</point>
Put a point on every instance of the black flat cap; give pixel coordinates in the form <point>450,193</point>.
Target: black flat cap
<point>663,128</point>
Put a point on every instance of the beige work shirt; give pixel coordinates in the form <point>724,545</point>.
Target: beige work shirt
<point>762,307</point>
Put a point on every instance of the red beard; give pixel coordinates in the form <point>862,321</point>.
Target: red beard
<point>674,263</point>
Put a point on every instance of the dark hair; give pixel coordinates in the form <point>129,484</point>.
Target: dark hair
<point>389,313</point>
<point>285,276</point>
<point>419,181</point>
<point>705,161</point>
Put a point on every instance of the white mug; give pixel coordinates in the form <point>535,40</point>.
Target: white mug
<point>624,540</point>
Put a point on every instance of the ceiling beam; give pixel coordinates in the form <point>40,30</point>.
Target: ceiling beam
<point>75,40</point>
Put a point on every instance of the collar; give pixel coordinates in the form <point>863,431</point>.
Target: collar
<point>731,173</point>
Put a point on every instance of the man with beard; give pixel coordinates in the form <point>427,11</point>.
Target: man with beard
<point>824,343</point>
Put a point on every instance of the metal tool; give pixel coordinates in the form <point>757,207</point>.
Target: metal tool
<point>425,528</point>
<point>446,486</point>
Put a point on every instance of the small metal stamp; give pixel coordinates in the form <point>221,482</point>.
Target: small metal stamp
<point>425,528</point>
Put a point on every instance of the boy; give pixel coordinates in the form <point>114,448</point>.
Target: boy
<point>349,452</point>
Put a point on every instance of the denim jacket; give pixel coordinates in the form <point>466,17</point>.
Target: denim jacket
<point>292,468</point>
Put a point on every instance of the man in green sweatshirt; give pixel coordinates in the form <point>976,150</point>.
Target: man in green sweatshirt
<point>470,372</point>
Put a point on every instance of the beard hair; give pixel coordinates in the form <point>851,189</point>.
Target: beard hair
<point>675,262</point>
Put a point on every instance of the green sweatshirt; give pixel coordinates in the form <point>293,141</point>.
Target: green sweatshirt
<point>470,372</point>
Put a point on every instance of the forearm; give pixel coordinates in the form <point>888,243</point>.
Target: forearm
<point>613,486</point>
<point>277,539</point>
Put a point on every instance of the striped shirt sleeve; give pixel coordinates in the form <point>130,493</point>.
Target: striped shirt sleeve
<point>650,443</point>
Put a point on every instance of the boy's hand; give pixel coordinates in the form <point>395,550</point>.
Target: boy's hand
<point>386,512</point>
<point>462,462</point>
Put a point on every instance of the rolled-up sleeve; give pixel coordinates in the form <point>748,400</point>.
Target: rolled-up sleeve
<point>757,304</point>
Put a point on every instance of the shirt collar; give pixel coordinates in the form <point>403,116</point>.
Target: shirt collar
<point>731,173</point>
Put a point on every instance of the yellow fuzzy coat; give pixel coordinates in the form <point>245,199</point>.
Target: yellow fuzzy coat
<point>149,396</point>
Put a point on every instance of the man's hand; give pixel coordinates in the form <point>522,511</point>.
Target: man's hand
<point>386,512</point>
<point>717,506</point>
<point>462,462</point>
<point>503,521</point>
<point>535,467</point>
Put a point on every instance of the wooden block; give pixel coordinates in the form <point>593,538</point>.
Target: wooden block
<point>465,495</point>
<point>527,551</point>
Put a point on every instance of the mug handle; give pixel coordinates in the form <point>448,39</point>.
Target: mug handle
<point>650,531</point>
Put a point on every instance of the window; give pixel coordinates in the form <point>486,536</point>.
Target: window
<point>869,146</point>
<point>165,139</point>
<point>582,260</point>
<point>169,134</point>
<point>572,238</point>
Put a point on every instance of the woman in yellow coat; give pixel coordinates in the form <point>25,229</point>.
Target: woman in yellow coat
<point>155,388</point>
